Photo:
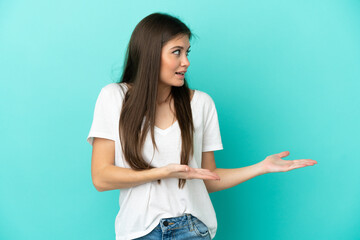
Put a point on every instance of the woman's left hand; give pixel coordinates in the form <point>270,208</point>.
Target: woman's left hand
<point>274,163</point>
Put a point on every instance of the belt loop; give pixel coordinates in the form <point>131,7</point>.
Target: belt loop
<point>190,222</point>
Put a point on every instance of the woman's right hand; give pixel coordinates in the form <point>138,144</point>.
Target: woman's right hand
<point>174,170</point>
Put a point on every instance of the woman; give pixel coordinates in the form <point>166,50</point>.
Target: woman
<point>153,138</point>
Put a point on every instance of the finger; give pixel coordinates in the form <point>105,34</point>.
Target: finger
<point>300,165</point>
<point>186,168</point>
<point>206,177</point>
<point>283,154</point>
<point>205,171</point>
<point>210,174</point>
<point>202,173</point>
<point>306,161</point>
<point>295,166</point>
<point>207,174</point>
<point>180,167</point>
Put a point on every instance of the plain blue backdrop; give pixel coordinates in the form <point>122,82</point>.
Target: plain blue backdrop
<point>284,76</point>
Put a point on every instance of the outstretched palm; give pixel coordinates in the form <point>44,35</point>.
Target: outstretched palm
<point>274,163</point>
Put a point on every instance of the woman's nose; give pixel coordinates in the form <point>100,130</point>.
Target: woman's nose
<point>185,62</point>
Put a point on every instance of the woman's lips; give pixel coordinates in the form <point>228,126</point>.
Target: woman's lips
<point>180,75</point>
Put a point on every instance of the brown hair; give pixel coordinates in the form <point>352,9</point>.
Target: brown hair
<point>142,72</point>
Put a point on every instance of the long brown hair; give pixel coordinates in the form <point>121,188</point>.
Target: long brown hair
<point>142,72</point>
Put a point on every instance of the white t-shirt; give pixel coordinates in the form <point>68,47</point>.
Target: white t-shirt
<point>142,206</point>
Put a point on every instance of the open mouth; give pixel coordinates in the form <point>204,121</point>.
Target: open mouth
<point>180,74</point>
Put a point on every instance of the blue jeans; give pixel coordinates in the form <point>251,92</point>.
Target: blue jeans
<point>179,228</point>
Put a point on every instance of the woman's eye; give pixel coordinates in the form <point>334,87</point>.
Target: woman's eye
<point>187,53</point>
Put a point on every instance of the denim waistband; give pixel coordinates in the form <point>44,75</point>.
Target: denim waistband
<point>176,222</point>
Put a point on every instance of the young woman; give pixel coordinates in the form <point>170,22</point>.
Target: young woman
<point>154,139</point>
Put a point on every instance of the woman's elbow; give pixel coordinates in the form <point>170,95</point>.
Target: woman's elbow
<point>98,186</point>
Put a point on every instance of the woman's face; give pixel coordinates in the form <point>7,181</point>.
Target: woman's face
<point>174,59</point>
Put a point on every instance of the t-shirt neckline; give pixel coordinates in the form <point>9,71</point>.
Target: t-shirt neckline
<point>166,130</point>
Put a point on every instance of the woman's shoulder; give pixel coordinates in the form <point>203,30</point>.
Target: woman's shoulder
<point>203,97</point>
<point>115,89</point>
<point>110,86</point>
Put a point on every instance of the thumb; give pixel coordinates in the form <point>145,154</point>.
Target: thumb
<point>283,154</point>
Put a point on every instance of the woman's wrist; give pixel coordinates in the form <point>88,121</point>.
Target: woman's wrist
<point>160,173</point>
<point>259,168</point>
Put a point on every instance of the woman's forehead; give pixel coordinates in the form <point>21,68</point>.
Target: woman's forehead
<point>182,41</point>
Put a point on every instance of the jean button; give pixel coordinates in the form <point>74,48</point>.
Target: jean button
<point>166,223</point>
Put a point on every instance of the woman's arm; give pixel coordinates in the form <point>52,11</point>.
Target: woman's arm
<point>106,176</point>
<point>232,177</point>
<point>228,177</point>
<point>112,177</point>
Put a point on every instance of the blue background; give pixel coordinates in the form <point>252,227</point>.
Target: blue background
<point>284,76</point>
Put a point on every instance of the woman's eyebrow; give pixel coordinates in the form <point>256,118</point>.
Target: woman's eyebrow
<point>181,47</point>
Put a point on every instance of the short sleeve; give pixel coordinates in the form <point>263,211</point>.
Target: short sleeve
<point>211,133</point>
<point>105,118</point>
